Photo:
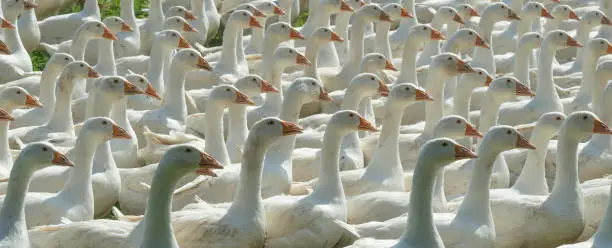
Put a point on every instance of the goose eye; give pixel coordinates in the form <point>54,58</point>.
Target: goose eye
<point>104,122</point>
<point>141,80</point>
<point>558,118</point>
<point>424,28</point>
<point>508,132</point>
<point>244,14</point>
<point>450,58</point>
<point>18,92</point>
<point>444,144</point>
<point>407,88</point>
<point>290,51</point>
<point>44,149</point>
<point>560,34</point>
<point>508,81</point>
<point>373,78</point>
<point>313,83</point>
<point>227,89</point>
<point>188,150</point>
<point>503,7</point>
<point>254,79</point>
<point>458,121</point>
<point>116,81</point>
<point>471,33</point>
<point>479,73</point>
<point>174,35</point>
<point>66,59</point>
<point>395,6</point>
<point>602,42</point>
<point>565,9</point>
<point>82,65</point>
<point>351,115</point>
<point>585,117</point>
<point>450,11</point>
<point>177,21</point>
<point>325,30</point>
<point>192,54</point>
<point>98,25</point>
<point>270,122</point>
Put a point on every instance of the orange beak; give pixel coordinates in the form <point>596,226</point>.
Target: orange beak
<point>461,152</point>
<point>522,142</point>
<point>91,73</point>
<point>362,3</point>
<point>207,164</point>
<point>572,15</point>
<point>473,12</point>
<point>405,14</point>
<point>267,87</point>
<point>389,66</point>
<point>573,42</point>
<point>189,28</point>
<point>189,16</point>
<point>61,159</point>
<point>203,64</point>
<point>513,16</point>
<point>120,133</point>
<point>383,89</point>
<point>150,91</point>
<point>605,21</point>
<point>488,81</point>
<point>295,35</point>
<point>365,125</point>
<point>302,60</point>
<point>6,24</point>
<point>183,43</point>
<point>458,19</point>
<point>108,35</point>
<point>436,35</point>
<point>336,37</point>
<point>472,131</point>
<point>130,89</point>
<point>278,11</point>
<point>600,127</point>
<point>4,49</point>
<point>254,23</point>
<point>384,17</point>
<point>345,7</point>
<point>32,102</point>
<point>609,51</point>
<point>421,95</point>
<point>481,43</point>
<point>125,27</point>
<point>258,13</point>
<point>290,128</point>
<point>5,115</point>
<point>29,5</point>
<point>324,96</point>
<point>522,90</point>
<point>463,67</point>
<point>241,98</point>
<point>546,14</point>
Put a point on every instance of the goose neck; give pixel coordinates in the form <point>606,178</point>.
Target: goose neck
<point>77,49</point>
<point>352,98</point>
<point>461,100</point>
<point>452,45</point>
<point>476,203</point>
<point>521,68</point>
<point>386,158</point>
<point>382,39</point>
<point>247,202</point>
<point>487,21</point>
<point>61,121</point>
<point>286,6</point>
<point>273,102</point>
<point>197,6</point>
<point>214,142</point>
<point>119,114</point>
<point>524,25</point>
<point>329,185</point>
<point>312,53</point>
<point>98,104</point>
<point>434,109</point>
<point>604,233</point>
<point>47,87</point>
<point>488,113</point>
<point>532,180</point>
<point>155,72</point>
<point>177,107</point>
<point>240,49</point>
<point>157,220</point>
<point>409,57</point>
<point>257,36</point>
<point>106,58</point>
<point>567,185</point>
<point>342,23</point>
<point>91,8</point>
<point>546,90</point>
<point>420,225</point>
<point>319,18</point>
<point>589,68</point>
<point>156,14</point>
<point>211,7</point>
<point>601,109</point>
<point>439,196</point>
<point>78,187</point>
<point>6,160</point>
<point>228,51</point>
<point>270,44</point>
<point>12,213</point>
<point>13,39</point>
<point>355,43</point>
<point>238,125</point>
<point>127,13</point>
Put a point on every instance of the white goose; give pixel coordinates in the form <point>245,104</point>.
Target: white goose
<point>28,28</point>
<point>601,238</point>
<point>14,65</point>
<point>380,44</point>
<point>421,232</point>
<point>13,230</point>
<point>531,12</point>
<point>75,200</point>
<point>341,26</point>
<point>155,227</point>
<point>444,15</point>
<point>59,28</point>
<point>561,13</point>
<point>150,26</point>
<point>128,42</point>
<point>256,42</point>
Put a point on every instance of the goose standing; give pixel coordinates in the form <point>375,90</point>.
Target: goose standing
<point>444,15</point>
<point>28,28</point>
<point>128,42</point>
<point>60,28</point>
<point>341,26</point>
<point>601,238</point>
<point>381,38</point>
<point>13,65</point>
<point>13,230</point>
<point>150,26</point>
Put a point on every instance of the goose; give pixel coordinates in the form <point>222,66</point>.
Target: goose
<point>14,65</point>
<point>283,57</point>
<point>547,99</point>
<point>342,26</point>
<point>351,156</point>
<point>13,231</point>
<point>243,66</point>
<point>530,12</point>
<point>381,38</point>
<point>421,232</point>
<point>601,237</point>
<point>150,26</point>
<point>227,69</point>
<point>471,225</point>
<point>128,42</point>
<point>594,49</point>
<point>466,12</point>
<point>60,28</point>
<point>336,80</point>
<point>320,17</point>
<point>222,96</point>
<point>28,28</point>
<point>587,22</point>
<point>400,35</point>
<point>199,22</point>
<point>256,41</point>
<point>61,121</point>
<point>44,87</point>
<point>515,62</point>
<point>533,212</point>
<point>422,34</point>
<point>561,13</point>
<point>156,227</point>
<point>75,200</point>
<point>444,15</point>
<point>172,114</point>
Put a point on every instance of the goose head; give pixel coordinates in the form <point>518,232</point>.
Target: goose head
<point>12,9</point>
<point>5,116</point>
<point>347,121</point>
<point>594,18</point>
<point>225,95</point>
<point>502,138</point>
<point>6,24</point>
<point>4,49</point>
<point>180,11</point>
<point>450,64</point>
<point>422,33</point>
<point>500,12</point>
<point>444,151</point>
<point>79,70</point>
<point>143,84</point>
<point>179,24</point>
<point>374,62</point>
<point>253,85</point>
<point>468,38</point>
<point>367,84</point>
<point>335,6</point>
<point>58,61</point>
<point>269,8</point>
<point>373,13</point>
<point>466,11</point>
<point>599,46</point>
<point>96,30</point>
<point>355,4</point>
<point>244,19</point>
<point>40,155</point>
<point>455,127</point>
<point>308,90</point>
<point>506,88</point>
<point>14,97</point>
<point>190,59</point>
<point>480,77</point>
<point>116,24</point>
<point>548,124</point>
<point>171,39</point>
<point>286,56</point>
<point>404,94</point>
<point>564,12</point>
<point>182,159</point>
<point>251,9</point>
<point>116,87</point>
<point>561,39</point>
<point>534,10</point>
<point>103,129</point>
<point>283,32</point>
<point>324,34</point>
<point>581,124</point>
<point>531,40</point>
<point>448,14</point>
<point>396,11</point>
<point>268,130</point>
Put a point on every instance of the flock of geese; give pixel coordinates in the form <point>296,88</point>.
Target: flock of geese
<point>423,124</point>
